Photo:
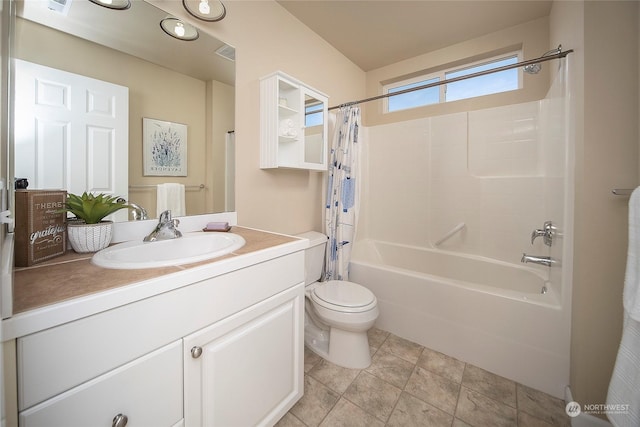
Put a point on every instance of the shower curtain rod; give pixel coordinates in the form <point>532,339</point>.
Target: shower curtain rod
<point>543,58</point>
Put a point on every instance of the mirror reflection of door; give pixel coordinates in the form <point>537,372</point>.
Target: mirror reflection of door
<point>68,129</point>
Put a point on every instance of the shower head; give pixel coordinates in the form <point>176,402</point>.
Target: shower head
<point>536,67</point>
<point>532,68</point>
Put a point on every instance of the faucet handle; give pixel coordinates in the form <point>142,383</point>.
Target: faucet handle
<point>536,233</point>
<point>165,216</point>
<point>547,232</point>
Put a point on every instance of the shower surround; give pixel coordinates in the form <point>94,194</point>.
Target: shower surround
<point>502,172</point>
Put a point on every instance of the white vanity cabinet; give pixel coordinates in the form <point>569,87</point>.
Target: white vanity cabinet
<point>136,359</point>
<point>245,370</point>
<point>144,392</point>
<point>293,124</point>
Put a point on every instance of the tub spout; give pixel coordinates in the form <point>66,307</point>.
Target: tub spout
<point>542,260</point>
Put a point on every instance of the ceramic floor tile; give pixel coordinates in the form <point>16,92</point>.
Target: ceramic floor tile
<point>491,385</point>
<point>459,423</point>
<point>376,337</point>
<point>478,410</point>
<point>526,420</point>
<point>375,396</point>
<point>433,389</point>
<point>405,349</point>
<point>542,406</point>
<point>310,360</point>
<point>346,414</point>
<point>413,412</point>
<point>333,376</point>
<point>316,402</point>
<point>289,420</point>
<point>390,368</point>
<point>409,385</point>
<point>441,364</point>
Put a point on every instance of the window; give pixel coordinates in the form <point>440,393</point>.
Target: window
<point>502,81</point>
<point>313,114</point>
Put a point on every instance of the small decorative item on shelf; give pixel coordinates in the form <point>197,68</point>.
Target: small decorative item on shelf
<point>88,232</point>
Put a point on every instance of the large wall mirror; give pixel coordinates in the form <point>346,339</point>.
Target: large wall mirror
<point>169,81</point>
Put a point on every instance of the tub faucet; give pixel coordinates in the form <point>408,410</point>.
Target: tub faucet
<point>542,260</point>
<point>165,230</point>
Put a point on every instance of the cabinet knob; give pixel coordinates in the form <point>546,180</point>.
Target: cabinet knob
<point>119,421</point>
<point>196,352</point>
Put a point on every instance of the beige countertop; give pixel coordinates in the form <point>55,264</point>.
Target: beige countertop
<point>73,275</point>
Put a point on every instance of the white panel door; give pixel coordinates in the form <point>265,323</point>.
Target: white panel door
<point>71,131</point>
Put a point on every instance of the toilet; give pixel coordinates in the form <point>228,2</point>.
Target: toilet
<point>338,313</point>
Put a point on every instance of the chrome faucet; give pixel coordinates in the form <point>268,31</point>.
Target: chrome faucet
<point>542,260</point>
<point>138,213</point>
<point>547,232</point>
<point>165,230</point>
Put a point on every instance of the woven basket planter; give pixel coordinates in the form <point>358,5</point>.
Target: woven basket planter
<point>89,237</point>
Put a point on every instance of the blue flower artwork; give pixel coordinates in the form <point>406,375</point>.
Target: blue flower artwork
<point>165,148</point>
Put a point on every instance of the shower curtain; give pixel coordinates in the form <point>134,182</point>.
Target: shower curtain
<point>342,193</point>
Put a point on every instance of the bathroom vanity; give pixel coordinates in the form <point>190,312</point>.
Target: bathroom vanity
<point>215,343</point>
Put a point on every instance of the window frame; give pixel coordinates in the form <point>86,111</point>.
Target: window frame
<point>441,76</point>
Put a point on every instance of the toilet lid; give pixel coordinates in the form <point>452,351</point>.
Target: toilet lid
<point>343,294</point>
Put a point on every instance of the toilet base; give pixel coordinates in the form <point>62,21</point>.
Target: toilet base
<point>343,348</point>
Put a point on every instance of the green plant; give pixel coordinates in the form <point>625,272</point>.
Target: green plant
<point>92,208</point>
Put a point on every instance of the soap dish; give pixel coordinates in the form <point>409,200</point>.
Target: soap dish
<point>217,226</point>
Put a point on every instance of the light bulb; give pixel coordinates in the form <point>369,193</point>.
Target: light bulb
<point>179,29</point>
<point>204,7</point>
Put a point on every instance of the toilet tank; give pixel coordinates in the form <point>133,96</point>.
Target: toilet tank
<point>313,256</point>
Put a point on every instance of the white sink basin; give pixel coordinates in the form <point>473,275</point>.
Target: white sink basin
<point>191,247</point>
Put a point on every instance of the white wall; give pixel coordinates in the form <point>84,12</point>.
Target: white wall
<point>487,168</point>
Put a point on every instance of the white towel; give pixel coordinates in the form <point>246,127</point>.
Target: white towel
<point>171,197</point>
<point>624,388</point>
<point>631,293</point>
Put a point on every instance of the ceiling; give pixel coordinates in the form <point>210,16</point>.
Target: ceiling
<point>376,33</point>
<point>138,34</point>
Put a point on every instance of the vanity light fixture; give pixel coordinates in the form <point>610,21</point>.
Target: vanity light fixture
<point>113,4</point>
<point>179,29</point>
<point>206,10</point>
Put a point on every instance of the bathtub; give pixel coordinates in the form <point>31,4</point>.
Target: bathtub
<point>489,313</point>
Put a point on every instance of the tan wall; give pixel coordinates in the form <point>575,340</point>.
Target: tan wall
<point>220,109</point>
<point>532,37</point>
<point>267,38</point>
<point>604,77</point>
<point>181,100</point>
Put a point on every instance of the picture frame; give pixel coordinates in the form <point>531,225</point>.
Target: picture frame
<point>164,146</point>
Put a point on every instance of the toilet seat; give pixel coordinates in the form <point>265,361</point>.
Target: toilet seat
<point>344,296</point>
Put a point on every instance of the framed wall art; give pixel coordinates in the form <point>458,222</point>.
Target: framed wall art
<point>164,146</point>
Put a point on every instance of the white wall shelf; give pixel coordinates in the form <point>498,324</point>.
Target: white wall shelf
<point>293,124</point>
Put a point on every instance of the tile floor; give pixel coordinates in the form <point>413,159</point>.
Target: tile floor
<point>410,385</point>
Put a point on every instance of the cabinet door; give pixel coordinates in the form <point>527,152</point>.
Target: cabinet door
<point>314,139</point>
<point>148,391</point>
<point>247,370</point>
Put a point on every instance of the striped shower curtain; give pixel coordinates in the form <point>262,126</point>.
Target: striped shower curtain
<point>342,193</point>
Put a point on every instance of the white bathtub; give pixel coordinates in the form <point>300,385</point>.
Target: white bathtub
<point>482,311</point>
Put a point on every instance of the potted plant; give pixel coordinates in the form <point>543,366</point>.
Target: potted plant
<point>88,232</point>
